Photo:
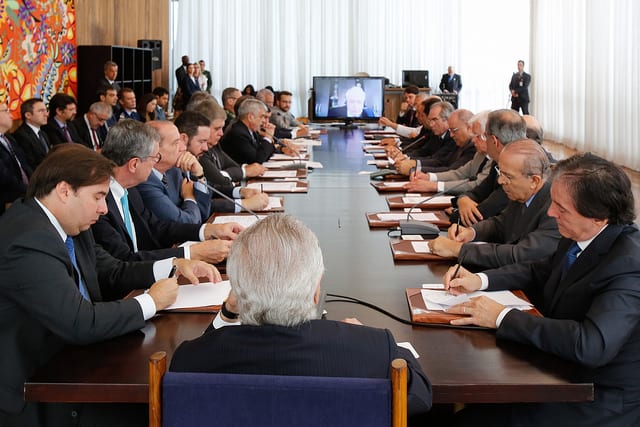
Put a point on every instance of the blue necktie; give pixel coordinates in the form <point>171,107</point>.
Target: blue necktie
<point>124,200</point>
<point>570,257</point>
<point>72,254</point>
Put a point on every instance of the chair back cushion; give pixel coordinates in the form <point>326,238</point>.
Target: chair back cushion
<point>204,399</point>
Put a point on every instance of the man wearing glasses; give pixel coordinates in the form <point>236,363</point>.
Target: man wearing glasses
<point>129,231</point>
<point>88,125</point>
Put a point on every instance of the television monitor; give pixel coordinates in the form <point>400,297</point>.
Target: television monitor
<point>347,99</point>
<point>418,78</point>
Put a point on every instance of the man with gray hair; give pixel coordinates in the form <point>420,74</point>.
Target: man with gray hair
<point>88,125</point>
<point>278,331</point>
<point>130,231</point>
<point>250,139</point>
<point>520,233</point>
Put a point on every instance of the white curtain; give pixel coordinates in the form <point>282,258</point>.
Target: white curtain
<point>583,55</point>
<point>284,43</point>
<point>585,59</point>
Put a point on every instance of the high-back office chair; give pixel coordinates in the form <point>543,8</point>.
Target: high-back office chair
<point>203,399</point>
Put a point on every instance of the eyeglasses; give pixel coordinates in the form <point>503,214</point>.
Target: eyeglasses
<point>433,120</point>
<point>155,158</point>
<point>507,179</point>
<point>453,130</point>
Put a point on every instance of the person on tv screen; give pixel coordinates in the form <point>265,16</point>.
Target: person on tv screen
<point>354,105</point>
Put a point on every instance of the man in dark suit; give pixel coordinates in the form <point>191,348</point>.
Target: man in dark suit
<point>32,139</point>
<point>181,71</point>
<point>587,292</point>
<point>62,110</point>
<point>280,333</point>
<point>196,129</point>
<point>519,87</point>
<point>137,234</point>
<point>523,231</point>
<point>250,138</point>
<point>110,75</point>
<point>488,198</point>
<point>109,95</point>
<point>450,82</point>
<point>14,169</point>
<point>52,275</point>
<point>88,125</point>
<point>176,189</point>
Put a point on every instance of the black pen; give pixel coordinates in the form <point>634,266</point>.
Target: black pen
<point>458,226</point>
<point>455,273</point>
<point>172,273</point>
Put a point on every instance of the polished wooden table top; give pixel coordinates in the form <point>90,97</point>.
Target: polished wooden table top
<point>464,365</point>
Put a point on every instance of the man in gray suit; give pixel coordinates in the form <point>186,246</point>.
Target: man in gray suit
<point>52,277</point>
<point>523,231</point>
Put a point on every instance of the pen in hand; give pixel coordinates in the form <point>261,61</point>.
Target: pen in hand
<point>172,273</point>
<point>458,226</point>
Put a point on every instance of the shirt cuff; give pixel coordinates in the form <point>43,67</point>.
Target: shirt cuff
<point>219,322</point>
<point>244,173</point>
<point>162,268</point>
<point>236,193</point>
<point>201,232</point>
<point>418,165</point>
<point>294,133</point>
<point>201,186</point>
<point>440,186</point>
<point>147,305</point>
<point>501,315</point>
<point>484,281</point>
<point>433,176</point>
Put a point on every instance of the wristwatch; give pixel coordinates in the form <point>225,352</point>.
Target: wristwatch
<point>196,177</point>
<point>226,313</point>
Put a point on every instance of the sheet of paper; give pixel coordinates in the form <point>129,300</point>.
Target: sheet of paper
<point>433,285</point>
<point>370,142</point>
<point>273,186</point>
<point>409,347</point>
<point>280,156</point>
<point>421,247</point>
<point>190,296</point>
<point>411,237</point>
<point>307,142</point>
<point>438,300</point>
<point>395,184</point>
<point>419,216</point>
<point>379,163</point>
<point>243,220</point>
<point>412,210</point>
<point>419,200</point>
<point>274,203</point>
<point>279,174</point>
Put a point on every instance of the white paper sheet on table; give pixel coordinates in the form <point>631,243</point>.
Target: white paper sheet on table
<point>418,216</point>
<point>280,156</point>
<point>243,220</point>
<point>190,296</point>
<point>273,186</point>
<point>274,203</point>
<point>279,174</point>
<point>411,237</point>
<point>438,300</point>
<point>307,142</point>
<point>420,200</point>
<point>395,184</point>
<point>421,247</point>
<point>289,163</point>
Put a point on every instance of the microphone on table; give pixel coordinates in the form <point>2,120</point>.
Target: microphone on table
<point>403,149</point>
<point>411,226</point>
<point>231,199</point>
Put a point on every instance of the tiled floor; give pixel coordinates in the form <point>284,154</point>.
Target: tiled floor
<point>560,152</point>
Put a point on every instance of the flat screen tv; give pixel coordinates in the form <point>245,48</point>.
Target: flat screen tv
<point>348,99</point>
<point>418,78</point>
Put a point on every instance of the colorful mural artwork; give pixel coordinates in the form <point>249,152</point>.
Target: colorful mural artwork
<point>37,50</point>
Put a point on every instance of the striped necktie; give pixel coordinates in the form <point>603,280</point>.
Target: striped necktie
<point>72,254</point>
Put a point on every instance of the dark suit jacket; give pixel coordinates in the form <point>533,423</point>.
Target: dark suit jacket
<point>189,87</point>
<point>591,317</point>
<point>521,85</point>
<point>517,234</point>
<point>56,135</point>
<point>241,147</point>
<point>446,159</point>
<point>166,202</point>
<point>452,86</point>
<point>154,237</point>
<point>31,145</point>
<point>409,118</point>
<point>84,133</point>
<point>104,82</point>
<point>315,348</point>
<point>488,194</point>
<point>41,308</point>
<point>10,175</point>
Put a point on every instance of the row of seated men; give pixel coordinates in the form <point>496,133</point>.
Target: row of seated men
<point>601,279</point>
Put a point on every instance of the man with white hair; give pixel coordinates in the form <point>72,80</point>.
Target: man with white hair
<point>277,327</point>
<point>354,106</point>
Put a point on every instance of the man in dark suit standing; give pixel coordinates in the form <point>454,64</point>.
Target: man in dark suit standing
<point>52,275</point>
<point>451,82</point>
<point>110,75</point>
<point>280,332</point>
<point>519,87</point>
<point>14,169</point>
<point>587,292</point>
<point>523,231</point>
<point>181,71</point>
<point>30,136</point>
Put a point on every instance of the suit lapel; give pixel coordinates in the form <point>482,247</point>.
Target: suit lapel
<point>115,213</point>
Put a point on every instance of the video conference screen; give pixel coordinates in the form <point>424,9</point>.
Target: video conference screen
<point>348,98</point>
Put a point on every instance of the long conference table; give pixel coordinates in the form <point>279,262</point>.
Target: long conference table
<point>464,365</point>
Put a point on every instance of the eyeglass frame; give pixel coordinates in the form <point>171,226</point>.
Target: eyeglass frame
<point>156,158</point>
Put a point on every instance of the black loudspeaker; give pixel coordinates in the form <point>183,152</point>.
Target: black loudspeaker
<point>156,54</point>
